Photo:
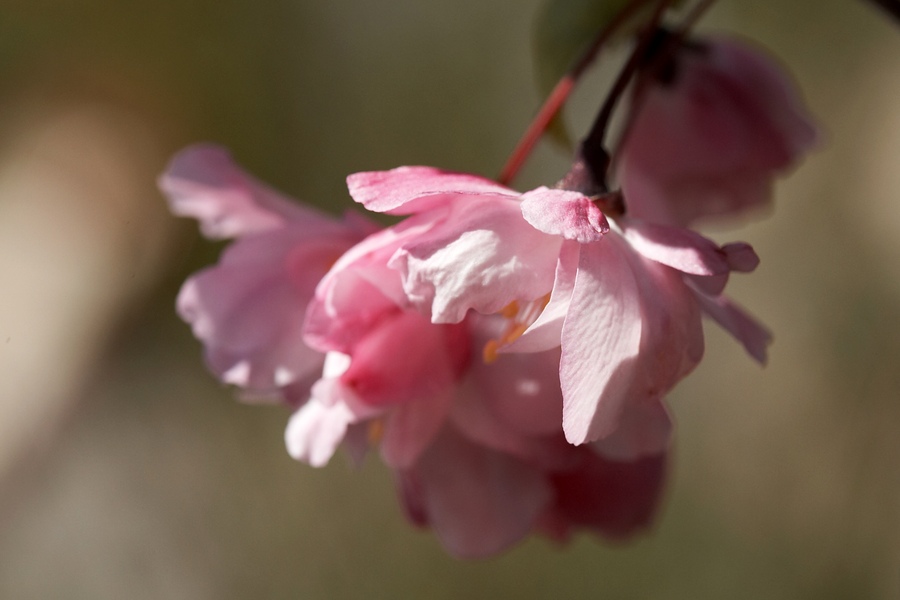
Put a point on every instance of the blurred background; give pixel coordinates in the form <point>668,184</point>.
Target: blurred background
<point>126,471</point>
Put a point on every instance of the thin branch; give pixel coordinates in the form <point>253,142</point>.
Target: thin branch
<point>892,7</point>
<point>665,53</point>
<point>689,21</point>
<point>595,137</point>
<point>557,98</point>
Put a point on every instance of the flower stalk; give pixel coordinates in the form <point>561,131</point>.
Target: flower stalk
<point>561,92</point>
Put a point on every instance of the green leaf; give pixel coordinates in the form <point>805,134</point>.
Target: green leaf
<point>563,31</point>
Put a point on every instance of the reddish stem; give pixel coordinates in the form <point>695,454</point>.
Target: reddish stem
<point>536,129</point>
<point>560,94</point>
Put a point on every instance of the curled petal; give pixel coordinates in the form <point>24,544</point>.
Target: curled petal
<point>750,333</point>
<point>484,256</point>
<point>678,248</point>
<point>408,190</point>
<point>360,289</point>
<point>203,182</point>
<point>741,257</point>
<point>404,359</point>
<point>564,213</point>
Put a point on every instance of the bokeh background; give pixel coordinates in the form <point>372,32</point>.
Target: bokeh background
<point>126,471</point>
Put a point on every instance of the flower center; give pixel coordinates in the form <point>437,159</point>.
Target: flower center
<point>519,319</point>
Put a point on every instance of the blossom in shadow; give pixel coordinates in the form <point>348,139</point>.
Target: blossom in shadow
<point>709,133</point>
<point>249,309</point>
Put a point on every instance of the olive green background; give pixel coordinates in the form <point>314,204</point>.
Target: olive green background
<point>126,471</point>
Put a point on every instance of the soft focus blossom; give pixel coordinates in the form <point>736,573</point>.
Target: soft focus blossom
<point>621,303</point>
<point>477,449</point>
<point>384,361</point>
<point>579,328</point>
<point>248,310</point>
<point>710,134</point>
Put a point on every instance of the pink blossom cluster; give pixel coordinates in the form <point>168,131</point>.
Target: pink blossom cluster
<point>507,354</point>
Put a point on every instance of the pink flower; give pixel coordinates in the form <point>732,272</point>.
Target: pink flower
<point>386,364</point>
<point>621,303</point>
<point>477,449</point>
<point>495,466</point>
<point>710,141</point>
<point>501,467</point>
<point>480,501</point>
<point>248,310</point>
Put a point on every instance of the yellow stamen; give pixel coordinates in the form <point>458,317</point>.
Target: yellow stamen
<point>489,354</point>
<point>375,432</point>
<point>510,310</point>
<point>520,319</point>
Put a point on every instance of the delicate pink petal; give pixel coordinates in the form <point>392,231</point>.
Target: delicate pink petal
<point>408,190</point>
<point>360,288</point>
<point>780,99</point>
<point>411,427</point>
<point>546,331</point>
<point>483,257</point>
<point>316,430</point>
<point>479,502</point>
<point>711,286</point>
<point>344,313</point>
<point>678,248</point>
<point>672,333</point>
<point>741,257</point>
<point>600,341</point>
<point>475,418</point>
<point>514,404</point>
<point>710,142</point>
<point>203,182</point>
<point>521,390</point>
<point>750,333</point>
<point>405,358</point>
<point>568,214</point>
<point>249,309</point>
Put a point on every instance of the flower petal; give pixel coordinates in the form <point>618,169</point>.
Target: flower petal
<point>678,248</point>
<point>411,427</point>
<point>546,331</point>
<point>408,190</point>
<point>710,142</point>
<point>484,256</point>
<point>600,341</point>
<point>569,214</point>
<point>748,331</point>
<point>203,182</point>
<point>479,502</point>
<point>316,430</point>
<point>741,257</point>
<point>249,309</point>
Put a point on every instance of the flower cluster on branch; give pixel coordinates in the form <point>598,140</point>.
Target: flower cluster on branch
<point>507,354</point>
